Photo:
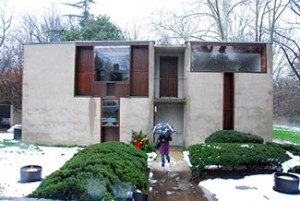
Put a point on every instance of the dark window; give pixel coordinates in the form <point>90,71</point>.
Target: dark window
<point>228,58</point>
<point>112,63</point>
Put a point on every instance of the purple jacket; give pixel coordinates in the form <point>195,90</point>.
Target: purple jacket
<point>164,144</point>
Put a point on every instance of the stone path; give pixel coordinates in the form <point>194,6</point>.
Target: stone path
<point>173,182</point>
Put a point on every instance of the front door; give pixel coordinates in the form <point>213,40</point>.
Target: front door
<point>168,86</point>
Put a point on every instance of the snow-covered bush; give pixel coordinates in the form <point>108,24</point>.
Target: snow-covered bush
<point>102,171</point>
<point>233,136</point>
<point>233,155</point>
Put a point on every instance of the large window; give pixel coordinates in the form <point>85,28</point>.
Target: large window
<point>218,58</point>
<point>112,63</point>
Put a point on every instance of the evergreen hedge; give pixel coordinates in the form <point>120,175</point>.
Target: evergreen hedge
<point>294,149</point>
<point>295,169</point>
<point>233,136</point>
<point>232,155</point>
<point>102,171</point>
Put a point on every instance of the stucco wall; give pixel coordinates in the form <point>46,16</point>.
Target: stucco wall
<point>51,114</point>
<point>253,104</point>
<point>135,114</point>
<point>204,103</point>
<point>254,101</point>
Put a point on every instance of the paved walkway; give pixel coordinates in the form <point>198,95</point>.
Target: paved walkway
<point>173,182</point>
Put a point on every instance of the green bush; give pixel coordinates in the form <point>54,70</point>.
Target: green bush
<point>103,171</point>
<point>232,155</point>
<point>232,136</point>
<point>294,149</point>
<point>295,169</point>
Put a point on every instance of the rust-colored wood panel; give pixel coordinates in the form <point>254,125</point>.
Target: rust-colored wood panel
<point>164,88</point>
<point>168,76</point>
<point>122,89</point>
<point>139,85</point>
<point>84,84</point>
<point>99,89</point>
<point>84,59</point>
<point>139,58</point>
<point>264,60</point>
<point>173,88</point>
<point>84,75</point>
<point>228,102</point>
<point>109,134</point>
<point>139,79</point>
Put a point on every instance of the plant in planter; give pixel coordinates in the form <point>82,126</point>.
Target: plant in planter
<point>141,141</point>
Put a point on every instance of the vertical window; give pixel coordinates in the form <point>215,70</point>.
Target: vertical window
<point>112,63</point>
<point>110,115</point>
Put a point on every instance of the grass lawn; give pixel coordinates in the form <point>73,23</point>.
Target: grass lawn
<point>287,133</point>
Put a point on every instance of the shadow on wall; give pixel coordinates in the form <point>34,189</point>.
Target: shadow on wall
<point>92,114</point>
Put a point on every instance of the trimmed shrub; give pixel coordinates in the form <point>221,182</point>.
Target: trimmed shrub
<point>295,169</point>
<point>102,171</point>
<point>226,155</point>
<point>294,149</point>
<point>232,136</point>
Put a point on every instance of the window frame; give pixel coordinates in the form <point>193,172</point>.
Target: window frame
<point>263,55</point>
<point>116,46</point>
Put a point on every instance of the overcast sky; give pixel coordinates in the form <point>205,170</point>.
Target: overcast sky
<point>121,12</point>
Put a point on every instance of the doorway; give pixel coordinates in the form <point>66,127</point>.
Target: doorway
<point>168,76</point>
<point>173,114</point>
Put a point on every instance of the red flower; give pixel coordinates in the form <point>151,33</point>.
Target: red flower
<point>138,144</point>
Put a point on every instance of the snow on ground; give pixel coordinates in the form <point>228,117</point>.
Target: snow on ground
<point>12,158</point>
<point>256,187</point>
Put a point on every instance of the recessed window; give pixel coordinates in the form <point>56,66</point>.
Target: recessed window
<point>112,63</point>
<point>110,115</point>
<point>228,58</point>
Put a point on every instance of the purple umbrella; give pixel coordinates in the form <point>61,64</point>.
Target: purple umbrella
<point>163,128</point>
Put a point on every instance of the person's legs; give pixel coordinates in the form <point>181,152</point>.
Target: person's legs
<point>168,158</point>
<point>162,160</point>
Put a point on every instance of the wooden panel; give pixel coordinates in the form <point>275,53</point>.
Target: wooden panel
<point>109,134</point>
<point>84,75</point>
<point>85,59</point>
<point>122,89</point>
<point>140,85</point>
<point>173,88</point>
<point>139,59</point>
<point>168,77</point>
<point>99,89</point>
<point>84,84</point>
<point>164,88</point>
<point>139,79</point>
<point>228,104</point>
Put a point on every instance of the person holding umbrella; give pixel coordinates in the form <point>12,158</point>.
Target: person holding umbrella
<point>164,130</point>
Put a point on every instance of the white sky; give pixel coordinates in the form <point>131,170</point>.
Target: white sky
<point>121,12</point>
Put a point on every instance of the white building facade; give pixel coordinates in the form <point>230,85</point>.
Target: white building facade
<point>89,92</point>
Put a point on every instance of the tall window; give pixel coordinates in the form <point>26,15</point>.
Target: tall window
<point>112,63</point>
<point>228,58</point>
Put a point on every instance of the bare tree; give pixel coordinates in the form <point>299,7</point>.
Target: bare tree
<point>178,27</point>
<point>50,29</point>
<point>5,23</point>
<point>291,51</point>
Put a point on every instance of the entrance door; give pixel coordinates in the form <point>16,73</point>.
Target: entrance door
<point>168,86</point>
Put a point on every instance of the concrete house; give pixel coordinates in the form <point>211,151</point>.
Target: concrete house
<point>90,92</point>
